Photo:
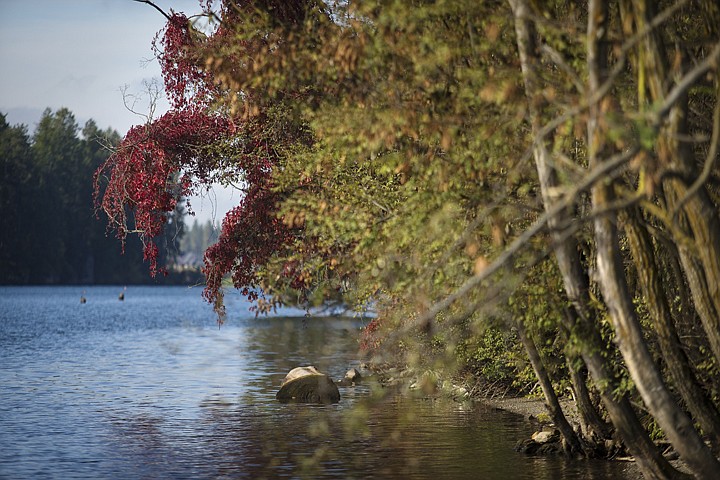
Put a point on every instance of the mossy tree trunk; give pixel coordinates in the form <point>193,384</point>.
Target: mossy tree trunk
<point>628,334</point>
<point>677,362</point>
<point>650,461</point>
<point>700,222</point>
<point>572,443</point>
<point>675,423</point>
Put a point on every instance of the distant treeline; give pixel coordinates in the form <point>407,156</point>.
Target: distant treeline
<point>50,233</point>
<point>195,241</point>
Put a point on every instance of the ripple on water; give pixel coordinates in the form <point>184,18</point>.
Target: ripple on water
<point>152,388</point>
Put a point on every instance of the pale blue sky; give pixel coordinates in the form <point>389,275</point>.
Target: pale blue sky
<point>80,54</point>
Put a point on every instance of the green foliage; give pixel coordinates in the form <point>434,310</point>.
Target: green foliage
<point>495,356</point>
<point>415,177</point>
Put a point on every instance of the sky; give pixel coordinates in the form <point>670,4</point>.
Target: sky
<point>82,55</point>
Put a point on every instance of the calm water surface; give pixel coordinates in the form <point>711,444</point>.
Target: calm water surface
<point>152,388</point>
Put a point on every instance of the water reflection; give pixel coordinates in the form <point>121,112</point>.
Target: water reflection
<point>151,388</point>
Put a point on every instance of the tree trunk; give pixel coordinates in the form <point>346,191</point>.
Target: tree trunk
<point>700,286</point>
<point>675,423</point>
<point>651,462</point>
<point>677,363</point>
<point>572,443</point>
<point>700,213</point>
<point>593,427</point>
<point>685,315</point>
<point>669,257</point>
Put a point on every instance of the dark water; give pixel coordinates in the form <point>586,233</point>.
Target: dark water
<point>152,388</point>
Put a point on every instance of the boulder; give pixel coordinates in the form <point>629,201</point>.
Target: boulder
<point>531,447</point>
<point>527,446</point>
<point>351,378</point>
<point>542,443</point>
<point>353,375</point>
<point>307,385</point>
<point>546,436</point>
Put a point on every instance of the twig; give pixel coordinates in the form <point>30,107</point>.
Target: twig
<point>155,7</point>
<point>593,176</point>
<point>709,163</point>
<point>710,62</point>
<point>556,57</point>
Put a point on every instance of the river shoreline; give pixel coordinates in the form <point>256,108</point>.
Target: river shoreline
<point>531,409</point>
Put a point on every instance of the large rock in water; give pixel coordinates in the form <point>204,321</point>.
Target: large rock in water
<point>308,385</point>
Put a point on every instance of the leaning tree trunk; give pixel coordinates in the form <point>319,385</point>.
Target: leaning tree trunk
<point>698,211</point>
<point>700,288</point>
<point>651,462</point>
<point>572,443</point>
<point>629,337</point>
<point>675,423</point>
<point>593,427</point>
<point>685,314</point>
<point>702,216</point>
<point>677,362</point>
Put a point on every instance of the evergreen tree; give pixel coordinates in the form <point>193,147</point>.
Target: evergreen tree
<point>51,233</point>
<point>16,190</point>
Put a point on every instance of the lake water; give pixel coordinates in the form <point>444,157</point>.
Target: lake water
<point>151,388</point>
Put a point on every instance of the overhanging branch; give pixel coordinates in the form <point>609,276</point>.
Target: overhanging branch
<point>517,245</point>
<point>155,7</point>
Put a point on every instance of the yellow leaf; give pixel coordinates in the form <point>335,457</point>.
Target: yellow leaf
<point>481,264</point>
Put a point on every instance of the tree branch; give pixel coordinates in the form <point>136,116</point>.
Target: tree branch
<point>712,61</point>
<point>709,163</point>
<point>155,7</point>
<point>558,208</point>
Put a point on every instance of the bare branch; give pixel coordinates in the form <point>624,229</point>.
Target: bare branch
<point>596,174</point>
<point>557,58</point>
<point>153,91</point>
<point>155,7</point>
<point>709,163</point>
<point>710,62</point>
